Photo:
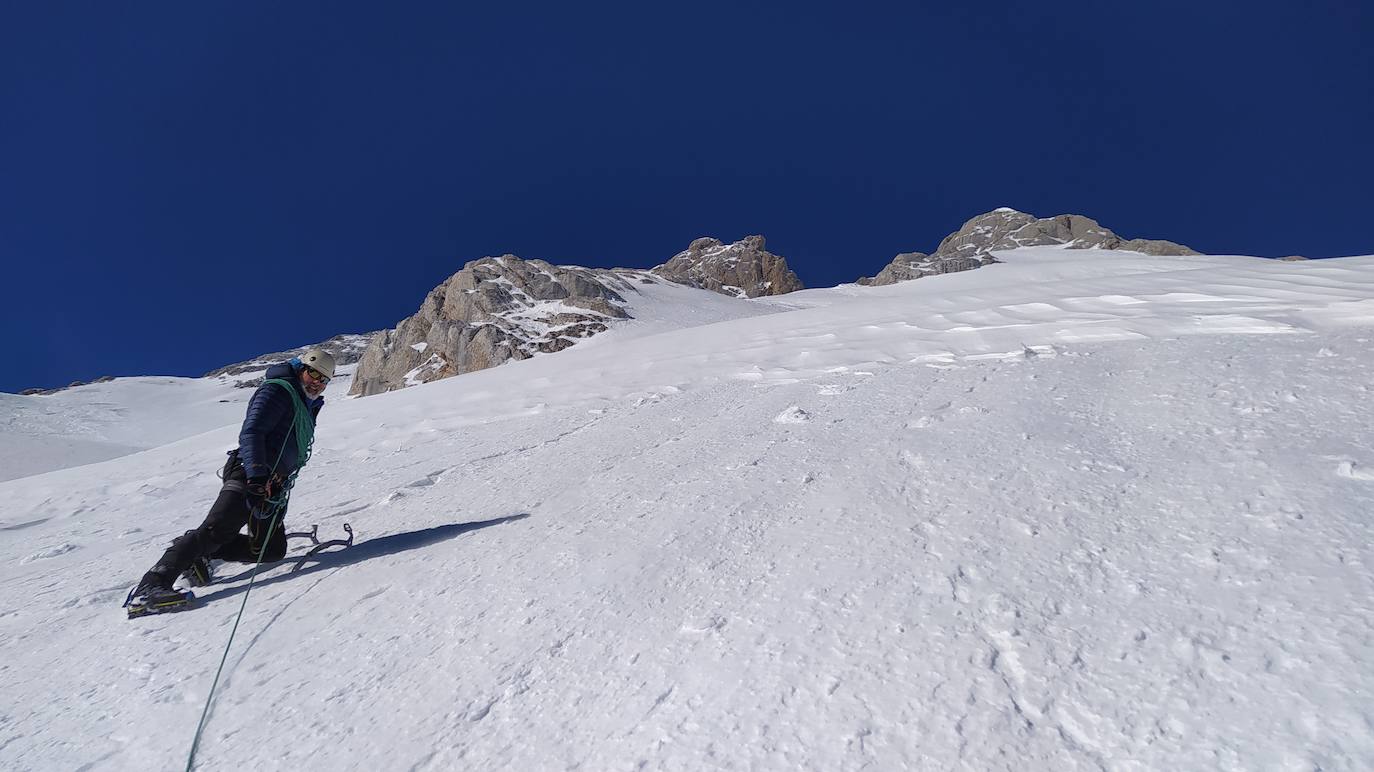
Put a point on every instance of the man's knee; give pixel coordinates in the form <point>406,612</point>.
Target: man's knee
<point>272,544</point>
<point>217,534</point>
<point>274,550</point>
<point>226,517</point>
<point>186,540</point>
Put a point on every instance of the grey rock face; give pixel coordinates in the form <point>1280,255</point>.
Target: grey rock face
<point>914,265</point>
<point>741,269</point>
<point>973,244</point>
<point>346,349</point>
<point>494,310</point>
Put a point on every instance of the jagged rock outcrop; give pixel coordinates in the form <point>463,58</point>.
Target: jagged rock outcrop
<point>973,244</point>
<point>914,265</point>
<point>493,310</point>
<point>741,269</point>
<point>346,349</point>
<point>502,308</point>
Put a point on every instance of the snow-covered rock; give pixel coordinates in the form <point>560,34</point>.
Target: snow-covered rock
<point>347,350</point>
<point>500,309</point>
<point>742,269</point>
<point>494,310</point>
<point>973,245</point>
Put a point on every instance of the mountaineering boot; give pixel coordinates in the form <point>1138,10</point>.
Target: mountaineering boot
<point>154,595</point>
<point>199,573</point>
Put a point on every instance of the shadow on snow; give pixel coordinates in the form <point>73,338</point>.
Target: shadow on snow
<point>360,551</point>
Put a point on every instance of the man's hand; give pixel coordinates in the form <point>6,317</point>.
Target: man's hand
<point>259,491</point>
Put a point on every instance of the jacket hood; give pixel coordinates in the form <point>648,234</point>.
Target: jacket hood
<point>283,370</point>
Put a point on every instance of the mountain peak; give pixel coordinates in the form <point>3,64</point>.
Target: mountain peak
<point>1004,228</point>
<point>742,269</point>
<point>493,310</point>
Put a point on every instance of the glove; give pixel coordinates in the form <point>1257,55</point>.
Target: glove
<point>259,492</point>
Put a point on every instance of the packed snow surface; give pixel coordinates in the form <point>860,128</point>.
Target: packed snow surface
<point>1081,510</point>
<point>101,421</point>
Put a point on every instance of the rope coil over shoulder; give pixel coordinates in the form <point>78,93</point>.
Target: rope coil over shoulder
<point>303,429</point>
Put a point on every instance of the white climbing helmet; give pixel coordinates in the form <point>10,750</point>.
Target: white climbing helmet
<point>320,360</point>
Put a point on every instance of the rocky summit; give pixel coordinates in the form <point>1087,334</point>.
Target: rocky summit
<point>494,310</point>
<point>501,308</point>
<point>742,269</point>
<point>973,245</point>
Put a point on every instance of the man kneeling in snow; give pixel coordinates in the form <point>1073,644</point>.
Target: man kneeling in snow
<point>273,444</point>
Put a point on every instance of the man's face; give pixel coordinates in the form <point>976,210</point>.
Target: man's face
<point>313,381</point>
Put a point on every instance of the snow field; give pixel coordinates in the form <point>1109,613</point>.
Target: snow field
<point>766,546</point>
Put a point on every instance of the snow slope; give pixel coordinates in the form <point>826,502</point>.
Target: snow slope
<point>101,421</point>
<point>1081,510</point>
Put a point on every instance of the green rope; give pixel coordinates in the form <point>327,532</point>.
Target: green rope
<point>303,427</point>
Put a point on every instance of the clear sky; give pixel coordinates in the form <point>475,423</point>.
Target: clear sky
<point>185,185</point>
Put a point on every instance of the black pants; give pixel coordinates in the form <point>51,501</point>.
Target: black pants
<point>219,536</point>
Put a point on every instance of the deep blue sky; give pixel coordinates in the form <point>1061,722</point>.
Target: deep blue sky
<point>184,185</point>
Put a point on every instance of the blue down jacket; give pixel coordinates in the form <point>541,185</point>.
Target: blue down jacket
<point>267,426</point>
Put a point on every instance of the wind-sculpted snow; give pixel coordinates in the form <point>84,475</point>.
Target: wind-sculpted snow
<point>1076,511</point>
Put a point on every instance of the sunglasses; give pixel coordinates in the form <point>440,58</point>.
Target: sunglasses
<point>314,374</point>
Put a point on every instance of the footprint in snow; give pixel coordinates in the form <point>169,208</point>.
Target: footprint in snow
<point>480,712</point>
<point>704,625</point>
<point>99,597</point>
<point>51,552</point>
<point>1352,471</point>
